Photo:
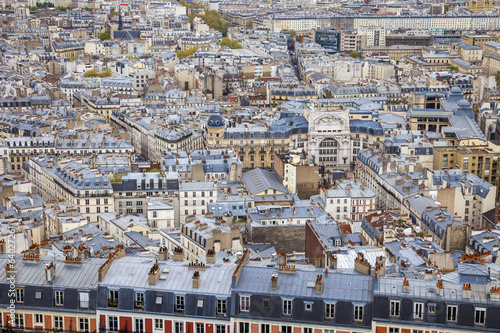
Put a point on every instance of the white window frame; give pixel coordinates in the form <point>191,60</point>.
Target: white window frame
<point>359,313</point>
<point>59,297</point>
<point>394,308</point>
<point>83,325</point>
<point>158,324</point>
<point>115,328</point>
<point>138,325</point>
<point>418,311</point>
<point>19,295</point>
<point>84,299</point>
<point>19,320</point>
<point>179,327</point>
<point>329,311</point>
<point>451,313</point>
<point>59,323</point>
<point>245,303</point>
<point>476,323</point>
<point>38,319</point>
<point>287,305</point>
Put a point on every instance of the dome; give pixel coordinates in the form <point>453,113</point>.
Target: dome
<point>216,120</point>
<point>455,90</point>
<point>464,103</point>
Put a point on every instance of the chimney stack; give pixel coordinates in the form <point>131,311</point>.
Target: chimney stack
<point>282,259</point>
<point>406,286</point>
<point>196,279</point>
<point>10,269</point>
<point>211,256</point>
<point>361,265</point>
<point>466,290</point>
<point>163,253</point>
<point>274,281</point>
<point>319,262</point>
<point>319,284</point>
<point>440,288</point>
<point>50,272</point>
<point>178,254</point>
<point>333,261</point>
<point>153,274</point>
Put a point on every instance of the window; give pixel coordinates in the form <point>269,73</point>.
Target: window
<point>38,319</point>
<point>418,311</point>
<point>451,313</point>
<point>244,328</point>
<point>159,299</point>
<point>358,313</point>
<point>286,329</point>
<point>220,329</point>
<point>307,330</point>
<point>329,311</point>
<point>244,303</point>
<point>139,301</point>
<point>158,324</point>
<point>417,331</point>
<point>308,306</point>
<point>59,299</point>
<point>18,320</point>
<point>265,304</point>
<point>199,303</point>
<point>431,308</point>
<point>221,307</point>
<point>139,325</point>
<point>394,309</point>
<point>179,303</point>
<point>84,300</point>
<point>58,323</point>
<point>38,294</point>
<point>287,307</point>
<point>480,317</point>
<point>113,323</point>
<point>393,330</point>
<point>200,328</point>
<point>19,295</point>
<point>265,328</point>
<point>113,298</point>
<point>179,327</point>
<point>83,324</point>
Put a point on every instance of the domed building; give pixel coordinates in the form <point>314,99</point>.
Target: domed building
<point>215,127</point>
<point>464,109</point>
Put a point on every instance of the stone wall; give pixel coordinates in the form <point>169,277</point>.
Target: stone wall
<point>283,238</point>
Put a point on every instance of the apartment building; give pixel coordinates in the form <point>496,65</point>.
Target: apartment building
<point>72,182</point>
<point>348,200</point>
<point>256,144</point>
<point>194,198</point>
<point>297,174</point>
<point>203,237</point>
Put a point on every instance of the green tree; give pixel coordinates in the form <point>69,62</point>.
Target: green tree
<point>186,53</point>
<point>91,73</point>
<point>105,73</point>
<point>104,36</point>
<point>235,45</point>
<point>293,33</point>
<point>453,68</point>
<point>250,24</point>
<point>225,42</point>
<point>355,54</point>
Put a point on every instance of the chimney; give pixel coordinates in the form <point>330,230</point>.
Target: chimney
<point>406,286</point>
<point>333,261</point>
<point>211,256</point>
<point>163,253</point>
<point>50,272</point>
<point>495,294</point>
<point>319,284</point>
<point>496,213</point>
<point>274,281</point>
<point>440,288</point>
<point>196,266</point>
<point>380,266</point>
<point>2,246</point>
<point>178,254</point>
<point>196,279</point>
<point>10,270</point>
<point>153,274</point>
<point>319,262</point>
<point>282,259</point>
<point>361,265</point>
<point>466,290</point>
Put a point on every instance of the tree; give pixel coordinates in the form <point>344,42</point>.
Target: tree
<point>186,53</point>
<point>105,36</point>
<point>250,24</point>
<point>355,54</point>
<point>497,78</point>
<point>225,42</point>
<point>453,68</point>
<point>293,33</point>
<point>235,45</point>
<point>94,73</point>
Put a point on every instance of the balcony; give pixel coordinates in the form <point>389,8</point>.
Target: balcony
<point>139,305</point>
<point>112,303</point>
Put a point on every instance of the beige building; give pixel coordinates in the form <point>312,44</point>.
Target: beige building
<point>203,237</point>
